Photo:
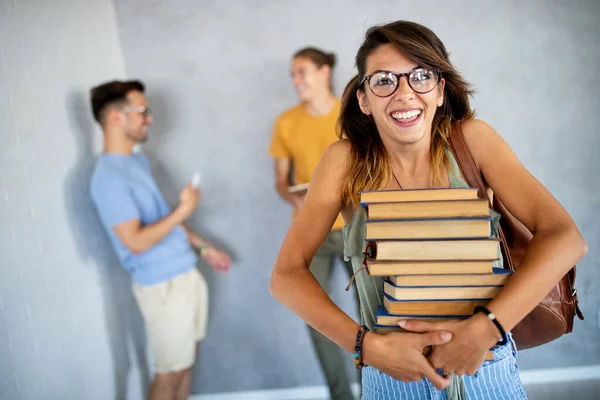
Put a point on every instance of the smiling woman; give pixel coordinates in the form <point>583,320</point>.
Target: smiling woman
<point>396,118</point>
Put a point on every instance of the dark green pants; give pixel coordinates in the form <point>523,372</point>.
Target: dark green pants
<point>330,355</point>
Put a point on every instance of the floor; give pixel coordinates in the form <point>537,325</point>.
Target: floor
<point>579,390</point>
<point>583,390</point>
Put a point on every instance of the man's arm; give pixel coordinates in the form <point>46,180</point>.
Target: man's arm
<point>213,256</point>
<point>138,238</point>
<point>195,240</point>
<point>282,173</point>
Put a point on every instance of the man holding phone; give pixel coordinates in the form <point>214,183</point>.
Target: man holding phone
<point>152,242</point>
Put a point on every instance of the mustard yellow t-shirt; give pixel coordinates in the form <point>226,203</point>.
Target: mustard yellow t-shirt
<point>303,138</point>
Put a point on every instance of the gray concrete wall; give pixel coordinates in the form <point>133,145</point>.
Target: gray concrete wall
<point>217,76</point>
<point>69,327</point>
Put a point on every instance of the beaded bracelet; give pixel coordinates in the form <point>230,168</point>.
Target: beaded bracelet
<point>493,318</point>
<point>358,361</point>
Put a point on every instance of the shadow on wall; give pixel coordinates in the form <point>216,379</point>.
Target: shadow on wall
<point>124,323</point>
<point>160,132</point>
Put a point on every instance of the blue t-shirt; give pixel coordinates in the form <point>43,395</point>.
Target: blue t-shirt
<point>123,189</point>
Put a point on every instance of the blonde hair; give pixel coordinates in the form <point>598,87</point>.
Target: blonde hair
<point>370,168</point>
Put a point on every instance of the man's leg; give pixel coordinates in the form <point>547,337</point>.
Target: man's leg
<point>330,355</point>
<point>165,386</point>
<point>184,385</point>
<point>170,312</point>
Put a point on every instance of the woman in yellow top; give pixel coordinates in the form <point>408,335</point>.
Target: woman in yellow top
<point>300,137</point>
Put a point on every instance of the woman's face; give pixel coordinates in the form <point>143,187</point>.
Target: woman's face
<point>406,116</point>
<point>309,80</point>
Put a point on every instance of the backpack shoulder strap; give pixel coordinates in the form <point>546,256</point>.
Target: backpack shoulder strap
<point>472,174</point>
<point>465,160</point>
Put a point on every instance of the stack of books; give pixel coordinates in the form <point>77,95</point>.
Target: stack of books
<point>435,247</point>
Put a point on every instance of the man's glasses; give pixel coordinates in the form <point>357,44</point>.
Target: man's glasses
<point>145,111</point>
<point>385,83</point>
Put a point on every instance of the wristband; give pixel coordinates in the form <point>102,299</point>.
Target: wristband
<point>493,318</point>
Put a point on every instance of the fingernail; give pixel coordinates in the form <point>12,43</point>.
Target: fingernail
<point>446,336</point>
<point>402,323</point>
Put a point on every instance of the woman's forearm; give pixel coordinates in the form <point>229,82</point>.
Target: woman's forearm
<point>549,257</point>
<point>298,290</point>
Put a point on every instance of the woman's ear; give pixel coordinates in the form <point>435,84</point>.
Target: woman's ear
<point>440,98</point>
<point>326,71</point>
<point>362,102</point>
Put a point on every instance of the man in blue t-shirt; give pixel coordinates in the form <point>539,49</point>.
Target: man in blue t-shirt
<point>150,239</point>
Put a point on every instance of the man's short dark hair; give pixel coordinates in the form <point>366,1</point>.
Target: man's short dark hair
<point>110,94</point>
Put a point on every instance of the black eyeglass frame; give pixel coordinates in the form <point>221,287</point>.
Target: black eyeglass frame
<point>367,79</point>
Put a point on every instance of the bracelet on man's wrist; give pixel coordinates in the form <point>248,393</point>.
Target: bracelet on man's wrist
<point>202,250</point>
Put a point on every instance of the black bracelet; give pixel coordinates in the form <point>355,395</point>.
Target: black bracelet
<point>493,318</point>
<point>358,361</point>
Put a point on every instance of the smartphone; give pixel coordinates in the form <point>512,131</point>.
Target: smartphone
<point>196,179</point>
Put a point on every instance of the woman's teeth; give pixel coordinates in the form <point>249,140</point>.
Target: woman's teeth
<point>406,115</point>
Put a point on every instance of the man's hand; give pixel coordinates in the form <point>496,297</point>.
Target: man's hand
<point>217,259</point>
<point>188,200</point>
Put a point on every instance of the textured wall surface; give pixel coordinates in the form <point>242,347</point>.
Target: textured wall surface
<point>217,75</point>
<point>69,328</point>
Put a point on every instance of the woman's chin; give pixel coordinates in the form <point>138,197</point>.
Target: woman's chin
<point>407,137</point>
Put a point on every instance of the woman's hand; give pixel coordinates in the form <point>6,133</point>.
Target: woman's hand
<point>400,355</point>
<point>471,340</point>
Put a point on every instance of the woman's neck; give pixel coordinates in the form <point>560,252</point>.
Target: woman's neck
<point>320,105</point>
<point>411,164</point>
<point>408,157</point>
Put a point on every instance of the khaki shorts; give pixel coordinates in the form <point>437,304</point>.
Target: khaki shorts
<point>175,313</point>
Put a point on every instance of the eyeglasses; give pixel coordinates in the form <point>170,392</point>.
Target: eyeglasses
<point>385,83</point>
<point>145,111</point>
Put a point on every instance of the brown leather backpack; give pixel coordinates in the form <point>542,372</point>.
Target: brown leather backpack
<point>554,315</point>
